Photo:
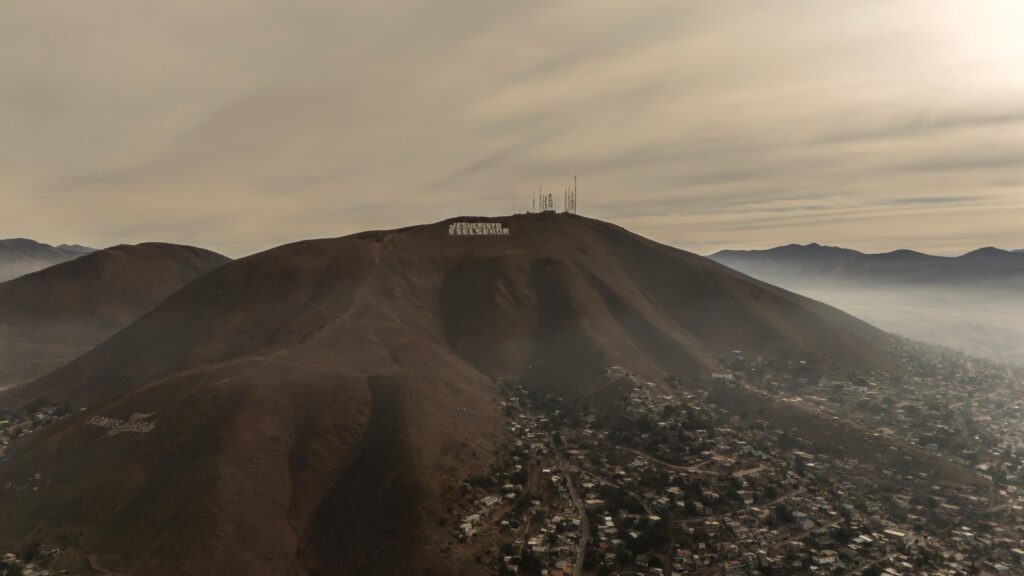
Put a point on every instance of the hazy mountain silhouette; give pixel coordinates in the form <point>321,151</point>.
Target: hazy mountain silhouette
<point>973,302</point>
<point>19,256</point>
<point>991,267</point>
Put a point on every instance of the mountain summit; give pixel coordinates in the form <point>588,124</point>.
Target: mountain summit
<point>309,409</point>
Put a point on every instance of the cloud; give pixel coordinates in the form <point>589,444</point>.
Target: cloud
<point>966,162</point>
<point>925,125</point>
<point>243,125</point>
<point>941,200</point>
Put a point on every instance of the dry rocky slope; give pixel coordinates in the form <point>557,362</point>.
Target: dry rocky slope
<point>54,315</point>
<point>313,407</point>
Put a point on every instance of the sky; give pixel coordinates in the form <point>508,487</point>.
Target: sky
<point>239,125</point>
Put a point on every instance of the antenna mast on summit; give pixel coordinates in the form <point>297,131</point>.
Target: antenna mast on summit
<point>570,197</point>
<point>573,193</point>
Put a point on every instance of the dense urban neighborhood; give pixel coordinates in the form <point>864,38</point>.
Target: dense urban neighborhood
<point>667,481</point>
<point>674,484</point>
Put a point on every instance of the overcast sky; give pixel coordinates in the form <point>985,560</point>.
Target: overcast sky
<point>239,125</point>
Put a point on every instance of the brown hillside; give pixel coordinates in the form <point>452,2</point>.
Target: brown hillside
<point>314,404</point>
<point>54,315</point>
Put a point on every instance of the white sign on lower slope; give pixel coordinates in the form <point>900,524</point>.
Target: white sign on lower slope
<point>137,423</point>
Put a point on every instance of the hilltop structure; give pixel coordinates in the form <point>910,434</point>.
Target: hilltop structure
<point>547,204</point>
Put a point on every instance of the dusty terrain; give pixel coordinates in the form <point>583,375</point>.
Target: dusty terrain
<point>54,315</point>
<point>313,405</point>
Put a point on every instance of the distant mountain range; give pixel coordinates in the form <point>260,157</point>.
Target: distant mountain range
<point>985,267</point>
<point>20,256</point>
<point>972,302</point>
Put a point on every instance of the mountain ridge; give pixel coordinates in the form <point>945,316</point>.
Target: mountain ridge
<point>20,256</point>
<point>967,302</point>
<point>989,267</point>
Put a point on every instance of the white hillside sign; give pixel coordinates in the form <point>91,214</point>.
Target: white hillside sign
<point>138,423</point>
<point>478,229</point>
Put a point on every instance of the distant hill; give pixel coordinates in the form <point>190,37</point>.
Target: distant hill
<point>987,267</point>
<point>313,406</point>
<point>19,256</point>
<point>53,315</point>
<point>973,302</point>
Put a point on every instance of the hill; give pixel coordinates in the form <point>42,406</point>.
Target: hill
<point>53,315</point>
<point>312,408</point>
<point>20,256</point>
<point>825,265</point>
<point>970,302</point>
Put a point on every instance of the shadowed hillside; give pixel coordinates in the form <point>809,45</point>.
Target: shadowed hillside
<point>309,409</point>
<point>51,316</point>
